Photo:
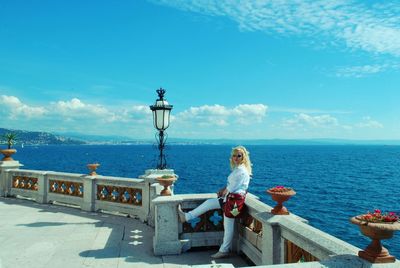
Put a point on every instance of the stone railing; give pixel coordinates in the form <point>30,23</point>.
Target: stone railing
<point>173,237</point>
<point>266,239</point>
<point>91,193</point>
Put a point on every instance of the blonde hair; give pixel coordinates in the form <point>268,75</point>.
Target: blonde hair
<point>245,159</point>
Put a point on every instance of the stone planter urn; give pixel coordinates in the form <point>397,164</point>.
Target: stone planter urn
<point>7,154</point>
<point>92,168</point>
<point>280,194</point>
<point>377,231</point>
<point>166,181</point>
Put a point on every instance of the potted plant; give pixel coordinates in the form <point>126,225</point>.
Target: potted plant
<point>280,194</point>
<point>166,181</point>
<point>377,226</point>
<point>10,139</point>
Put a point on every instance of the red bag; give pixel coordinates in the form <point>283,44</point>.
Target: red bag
<point>234,205</point>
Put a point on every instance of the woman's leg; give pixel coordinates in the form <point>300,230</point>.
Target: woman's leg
<point>229,225</point>
<point>203,208</point>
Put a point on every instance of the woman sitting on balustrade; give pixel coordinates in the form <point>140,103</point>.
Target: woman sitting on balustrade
<point>230,198</point>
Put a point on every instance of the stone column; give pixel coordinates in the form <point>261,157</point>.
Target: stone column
<point>272,243</point>
<point>43,189</point>
<point>154,189</point>
<point>5,183</point>
<point>89,193</point>
<point>166,232</point>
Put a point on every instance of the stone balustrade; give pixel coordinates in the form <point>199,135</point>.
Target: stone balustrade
<point>91,193</point>
<point>173,237</point>
<point>266,239</point>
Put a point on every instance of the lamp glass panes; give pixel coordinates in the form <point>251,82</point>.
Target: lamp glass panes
<point>161,112</point>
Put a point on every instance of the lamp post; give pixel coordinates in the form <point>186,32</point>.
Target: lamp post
<point>161,111</point>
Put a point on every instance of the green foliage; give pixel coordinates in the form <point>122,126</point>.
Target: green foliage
<point>167,176</point>
<point>10,139</point>
<point>37,138</point>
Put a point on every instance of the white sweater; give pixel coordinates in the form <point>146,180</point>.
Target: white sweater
<point>238,180</point>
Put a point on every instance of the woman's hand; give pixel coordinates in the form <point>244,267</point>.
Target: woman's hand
<point>222,192</point>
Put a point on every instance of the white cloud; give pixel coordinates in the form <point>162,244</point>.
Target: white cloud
<point>306,110</point>
<point>136,120</point>
<point>137,114</point>
<point>256,110</point>
<point>219,115</point>
<point>305,120</point>
<point>74,111</point>
<point>368,122</point>
<point>360,71</point>
<point>14,108</point>
<point>77,108</point>
<point>326,122</point>
<point>352,24</point>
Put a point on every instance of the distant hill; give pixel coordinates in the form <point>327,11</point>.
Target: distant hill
<point>282,142</point>
<point>108,139</point>
<point>72,138</point>
<point>39,138</point>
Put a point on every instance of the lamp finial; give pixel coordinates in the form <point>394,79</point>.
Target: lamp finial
<point>160,93</point>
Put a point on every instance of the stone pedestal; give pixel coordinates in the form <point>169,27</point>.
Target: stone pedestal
<point>154,188</point>
<point>166,233</point>
<point>272,243</point>
<point>88,193</point>
<point>43,188</point>
<point>5,183</point>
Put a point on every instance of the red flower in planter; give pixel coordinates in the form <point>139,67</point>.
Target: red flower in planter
<point>280,188</point>
<point>379,217</point>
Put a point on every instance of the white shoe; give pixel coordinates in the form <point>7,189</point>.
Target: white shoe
<point>181,214</point>
<point>220,255</point>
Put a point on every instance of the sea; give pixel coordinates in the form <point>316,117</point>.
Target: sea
<point>333,182</point>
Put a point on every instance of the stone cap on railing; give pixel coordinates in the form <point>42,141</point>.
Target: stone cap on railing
<point>255,205</point>
<point>23,171</point>
<point>178,198</point>
<point>117,179</point>
<point>321,244</point>
<point>340,261</point>
<point>252,201</point>
<point>10,164</point>
<point>74,175</point>
<point>66,174</point>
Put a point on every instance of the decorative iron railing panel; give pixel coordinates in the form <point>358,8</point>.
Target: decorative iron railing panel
<point>295,254</point>
<point>211,221</point>
<point>251,230</point>
<point>66,188</point>
<point>253,224</point>
<point>25,183</point>
<point>119,194</point>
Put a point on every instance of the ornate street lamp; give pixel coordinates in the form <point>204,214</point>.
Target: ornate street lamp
<point>161,111</point>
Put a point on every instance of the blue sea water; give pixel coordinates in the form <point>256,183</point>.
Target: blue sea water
<point>333,183</point>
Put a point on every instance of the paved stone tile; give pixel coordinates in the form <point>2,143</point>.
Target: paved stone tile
<point>42,235</point>
<point>202,257</point>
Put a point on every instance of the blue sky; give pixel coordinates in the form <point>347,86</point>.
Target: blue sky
<point>245,69</point>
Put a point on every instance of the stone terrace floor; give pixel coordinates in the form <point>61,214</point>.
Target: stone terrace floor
<point>44,235</point>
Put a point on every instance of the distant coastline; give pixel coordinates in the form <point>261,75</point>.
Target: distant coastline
<point>29,138</point>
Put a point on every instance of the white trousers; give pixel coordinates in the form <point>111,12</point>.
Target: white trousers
<point>229,223</point>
